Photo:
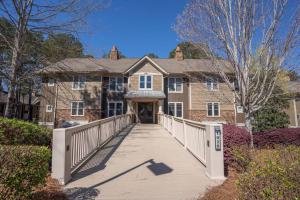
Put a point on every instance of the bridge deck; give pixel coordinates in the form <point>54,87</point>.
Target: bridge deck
<point>143,162</point>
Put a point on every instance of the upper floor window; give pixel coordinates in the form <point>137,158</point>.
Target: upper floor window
<point>213,109</point>
<point>77,108</point>
<point>175,109</point>
<point>115,108</point>
<point>78,82</point>
<point>212,84</point>
<point>146,82</point>
<point>175,84</point>
<point>51,82</point>
<point>116,84</point>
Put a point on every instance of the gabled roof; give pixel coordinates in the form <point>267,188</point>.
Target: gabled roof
<point>144,59</point>
<point>125,65</point>
<point>78,65</point>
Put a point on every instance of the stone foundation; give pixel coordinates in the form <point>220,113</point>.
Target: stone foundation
<point>65,114</point>
<point>201,115</point>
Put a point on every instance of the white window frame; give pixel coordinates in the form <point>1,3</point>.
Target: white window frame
<point>145,84</point>
<point>175,91</point>
<point>51,82</point>
<point>175,108</point>
<point>77,108</point>
<point>78,82</point>
<point>49,108</point>
<point>213,110</point>
<point>115,110</point>
<point>211,87</point>
<point>115,89</point>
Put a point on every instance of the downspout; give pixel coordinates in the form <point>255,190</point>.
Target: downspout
<point>55,105</point>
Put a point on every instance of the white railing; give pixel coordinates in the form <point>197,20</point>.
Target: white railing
<point>73,146</point>
<point>203,140</point>
<point>191,134</point>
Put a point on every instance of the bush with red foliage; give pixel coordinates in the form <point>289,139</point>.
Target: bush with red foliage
<point>282,136</point>
<point>233,136</point>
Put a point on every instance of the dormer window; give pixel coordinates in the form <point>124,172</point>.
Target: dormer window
<point>78,82</point>
<point>145,82</point>
<point>212,84</point>
<point>116,84</point>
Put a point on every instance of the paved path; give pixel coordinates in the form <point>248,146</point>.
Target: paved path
<point>144,163</point>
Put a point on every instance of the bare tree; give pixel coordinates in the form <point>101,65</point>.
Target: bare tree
<point>255,36</point>
<point>38,16</point>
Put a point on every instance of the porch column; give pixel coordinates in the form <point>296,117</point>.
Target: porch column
<point>129,107</point>
<point>160,106</point>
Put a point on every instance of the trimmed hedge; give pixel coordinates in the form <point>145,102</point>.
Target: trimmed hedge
<point>23,168</point>
<point>13,131</point>
<point>236,137</point>
<point>233,136</point>
<point>283,136</point>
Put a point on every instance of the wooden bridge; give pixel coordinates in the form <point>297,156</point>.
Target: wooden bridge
<point>117,159</point>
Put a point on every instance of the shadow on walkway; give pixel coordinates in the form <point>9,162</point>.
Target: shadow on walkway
<point>91,192</point>
<point>98,161</point>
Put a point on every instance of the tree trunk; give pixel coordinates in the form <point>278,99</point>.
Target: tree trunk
<point>14,65</point>
<point>249,128</point>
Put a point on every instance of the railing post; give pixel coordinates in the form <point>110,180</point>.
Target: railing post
<point>61,156</point>
<point>184,133</point>
<point>172,127</point>
<point>214,151</point>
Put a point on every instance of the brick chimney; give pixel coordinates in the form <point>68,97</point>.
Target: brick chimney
<point>178,54</point>
<point>114,54</point>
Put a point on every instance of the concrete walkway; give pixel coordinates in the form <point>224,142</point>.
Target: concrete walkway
<point>143,162</point>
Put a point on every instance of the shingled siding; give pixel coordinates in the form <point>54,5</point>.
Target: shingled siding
<point>200,96</point>
<point>179,97</point>
<point>146,68</point>
<point>47,98</point>
<point>90,95</point>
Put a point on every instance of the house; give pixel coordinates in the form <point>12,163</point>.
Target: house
<point>294,103</point>
<point>27,106</point>
<point>79,90</point>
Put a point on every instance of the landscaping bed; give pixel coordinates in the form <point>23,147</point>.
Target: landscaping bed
<point>25,156</point>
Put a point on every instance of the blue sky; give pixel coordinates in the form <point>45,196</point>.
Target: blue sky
<point>137,27</point>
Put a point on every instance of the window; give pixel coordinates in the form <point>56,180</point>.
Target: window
<point>51,82</point>
<point>212,84</point>
<point>116,84</point>
<point>175,109</point>
<point>175,84</point>
<point>78,82</point>
<point>213,110</point>
<point>49,108</point>
<point>146,82</point>
<point>77,108</point>
<point>115,108</point>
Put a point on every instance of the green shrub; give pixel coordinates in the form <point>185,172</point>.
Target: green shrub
<point>272,174</point>
<point>23,168</point>
<point>13,131</point>
<point>242,157</point>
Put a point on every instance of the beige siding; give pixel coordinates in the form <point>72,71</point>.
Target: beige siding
<point>146,68</point>
<point>200,96</point>
<point>91,94</point>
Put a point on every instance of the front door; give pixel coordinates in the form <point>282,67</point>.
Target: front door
<point>145,112</point>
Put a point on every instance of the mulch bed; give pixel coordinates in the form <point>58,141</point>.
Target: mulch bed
<point>226,191</point>
<point>52,191</point>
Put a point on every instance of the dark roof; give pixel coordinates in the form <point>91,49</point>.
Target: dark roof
<point>145,94</point>
<point>85,65</point>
